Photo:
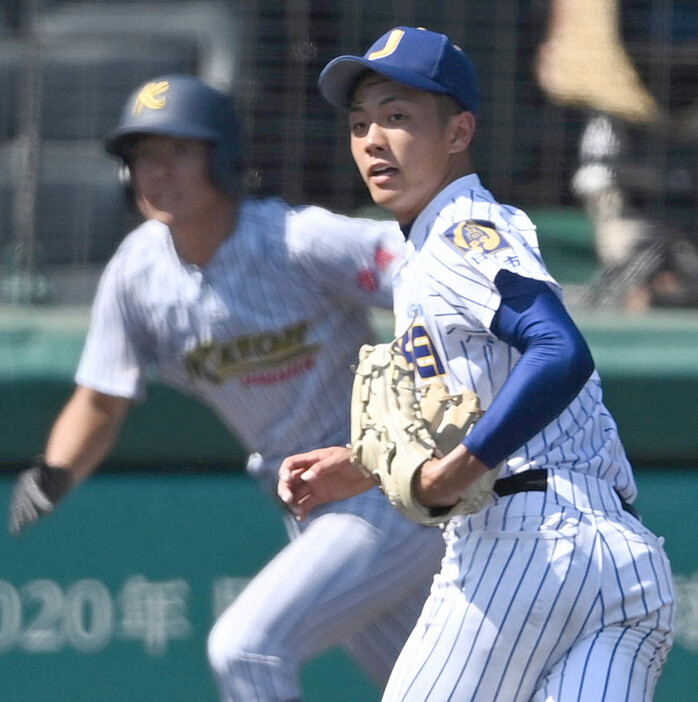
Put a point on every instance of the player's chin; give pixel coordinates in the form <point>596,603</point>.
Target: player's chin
<point>165,218</point>
<point>154,208</point>
<point>383,195</point>
<point>160,213</point>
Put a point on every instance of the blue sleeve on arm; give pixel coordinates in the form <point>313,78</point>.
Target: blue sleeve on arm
<point>554,365</point>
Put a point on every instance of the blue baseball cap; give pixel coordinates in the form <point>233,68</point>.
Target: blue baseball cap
<point>411,56</point>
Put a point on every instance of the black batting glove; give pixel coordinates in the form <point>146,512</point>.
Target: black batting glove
<point>36,492</point>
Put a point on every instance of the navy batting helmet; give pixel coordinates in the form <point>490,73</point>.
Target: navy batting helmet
<point>185,107</point>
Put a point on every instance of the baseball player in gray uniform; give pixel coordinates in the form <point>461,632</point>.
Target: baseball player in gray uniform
<point>257,309</point>
<point>554,591</point>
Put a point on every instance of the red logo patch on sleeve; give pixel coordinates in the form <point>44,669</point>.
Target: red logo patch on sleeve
<point>383,258</point>
<point>366,280</point>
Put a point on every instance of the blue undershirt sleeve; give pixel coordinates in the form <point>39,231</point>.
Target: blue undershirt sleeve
<point>554,365</point>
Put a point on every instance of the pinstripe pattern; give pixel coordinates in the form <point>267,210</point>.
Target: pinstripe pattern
<point>554,596</point>
<point>358,576</point>
<point>281,268</point>
<point>265,334</point>
<point>455,291</point>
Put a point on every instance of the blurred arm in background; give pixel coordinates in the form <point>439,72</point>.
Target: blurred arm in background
<point>85,431</point>
<point>81,437</point>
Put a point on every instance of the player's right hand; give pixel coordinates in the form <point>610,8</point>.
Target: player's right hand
<point>36,492</point>
<point>441,482</point>
<point>307,480</point>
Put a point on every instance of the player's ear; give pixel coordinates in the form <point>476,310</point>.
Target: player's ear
<point>460,131</point>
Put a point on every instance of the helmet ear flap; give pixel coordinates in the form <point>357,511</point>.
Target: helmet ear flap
<point>226,170</point>
<point>127,186</point>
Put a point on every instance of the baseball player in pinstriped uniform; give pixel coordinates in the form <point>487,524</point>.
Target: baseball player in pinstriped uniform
<point>258,310</point>
<point>554,591</point>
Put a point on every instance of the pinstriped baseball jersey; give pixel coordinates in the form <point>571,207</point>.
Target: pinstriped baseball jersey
<point>265,334</point>
<point>445,299</point>
<point>556,595</point>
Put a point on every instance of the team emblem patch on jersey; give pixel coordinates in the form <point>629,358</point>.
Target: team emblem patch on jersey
<point>476,236</point>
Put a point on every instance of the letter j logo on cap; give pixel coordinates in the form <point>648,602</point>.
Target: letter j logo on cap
<point>390,45</point>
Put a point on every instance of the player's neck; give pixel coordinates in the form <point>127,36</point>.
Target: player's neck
<point>197,240</point>
<point>459,168</point>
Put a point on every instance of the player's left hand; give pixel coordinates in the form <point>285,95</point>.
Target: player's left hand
<point>36,492</point>
<point>441,482</point>
<point>307,480</point>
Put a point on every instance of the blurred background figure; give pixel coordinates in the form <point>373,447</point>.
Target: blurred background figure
<point>257,310</point>
<point>583,62</point>
<point>637,178</point>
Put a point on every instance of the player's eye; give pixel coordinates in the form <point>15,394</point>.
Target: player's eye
<point>358,129</point>
<point>144,154</point>
<point>396,117</point>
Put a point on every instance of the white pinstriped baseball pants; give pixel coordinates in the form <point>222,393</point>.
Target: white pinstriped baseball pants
<point>543,597</point>
<point>357,575</point>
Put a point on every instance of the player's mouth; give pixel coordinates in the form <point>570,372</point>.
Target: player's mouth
<point>381,173</point>
<point>163,199</point>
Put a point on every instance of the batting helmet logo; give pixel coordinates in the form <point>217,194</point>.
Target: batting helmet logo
<point>153,96</point>
<point>183,107</point>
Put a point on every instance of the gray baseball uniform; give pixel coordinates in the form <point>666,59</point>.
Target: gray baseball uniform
<point>265,334</point>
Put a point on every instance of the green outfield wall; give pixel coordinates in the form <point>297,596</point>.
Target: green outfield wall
<point>110,598</point>
<point>648,365</point>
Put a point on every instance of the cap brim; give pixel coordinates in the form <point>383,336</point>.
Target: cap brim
<point>338,79</point>
<point>116,141</point>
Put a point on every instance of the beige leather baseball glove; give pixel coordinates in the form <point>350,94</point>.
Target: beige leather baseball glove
<point>393,431</point>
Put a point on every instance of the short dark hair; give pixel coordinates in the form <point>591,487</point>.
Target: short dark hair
<point>448,106</point>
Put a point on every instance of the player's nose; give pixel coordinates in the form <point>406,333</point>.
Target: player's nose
<point>375,137</point>
<point>160,171</point>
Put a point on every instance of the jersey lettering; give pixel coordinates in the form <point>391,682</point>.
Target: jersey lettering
<point>476,236</point>
<point>218,361</point>
<point>421,352</point>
